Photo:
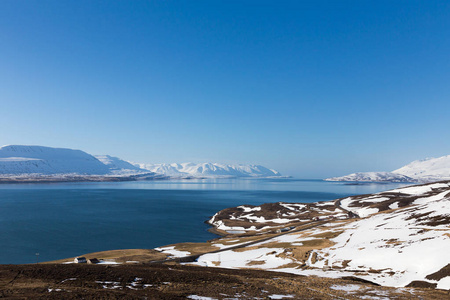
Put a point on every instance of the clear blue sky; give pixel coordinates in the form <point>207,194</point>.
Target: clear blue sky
<point>311,88</point>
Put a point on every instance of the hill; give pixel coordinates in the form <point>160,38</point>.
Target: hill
<point>395,238</point>
<point>374,177</point>
<point>18,159</point>
<point>430,169</point>
<point>20,163</point>
<point>426,170</point>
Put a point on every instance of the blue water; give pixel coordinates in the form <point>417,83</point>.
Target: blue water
<point>62,220</point>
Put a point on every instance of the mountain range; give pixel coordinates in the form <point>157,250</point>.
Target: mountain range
<point>209,170</point>
<point>425,170</point>
<point>35,161</point>
<point>38,161</point>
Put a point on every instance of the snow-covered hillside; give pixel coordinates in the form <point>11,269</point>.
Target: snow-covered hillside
<point>430,169</point>
<point>396,238</point>
<point>39,160</point>
<point>209,170</point>
<point>426,170</point>
<point>374,177</point>
<point>17,159</point>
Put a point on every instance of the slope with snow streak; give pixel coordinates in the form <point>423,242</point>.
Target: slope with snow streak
<point>118,166</point>
<point>404,236</point>
<point>273,216</point>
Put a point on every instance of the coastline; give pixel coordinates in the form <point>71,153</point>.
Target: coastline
<point>80,178</point>
<point>295,237</point>
<point>118,178</point>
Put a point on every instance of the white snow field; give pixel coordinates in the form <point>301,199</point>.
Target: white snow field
<point>426,170</point>
<point>171,251</point>
<point>402,235</point>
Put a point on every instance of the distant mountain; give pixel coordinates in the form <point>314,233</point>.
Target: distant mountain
<point>374,177</point>
<point>429,169</point>
<point>17,159</point>
<point>35,161</point>
<point>119,166</point>
<point>40,160</point>
<point>209,170</point>
<point>426,170</point>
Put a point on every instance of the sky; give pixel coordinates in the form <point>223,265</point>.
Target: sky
<point>310,88</point>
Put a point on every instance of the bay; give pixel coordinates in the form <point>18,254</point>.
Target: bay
<point>61,220</point>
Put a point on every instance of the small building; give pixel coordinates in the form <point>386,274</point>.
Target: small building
<point>80,260</point>
<point>93,261</point>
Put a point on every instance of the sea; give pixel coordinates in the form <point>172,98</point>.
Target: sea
<point>50,221</point>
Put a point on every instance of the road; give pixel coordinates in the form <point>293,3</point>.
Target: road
<point>192,258</point>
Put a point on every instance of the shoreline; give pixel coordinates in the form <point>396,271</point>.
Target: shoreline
<point>118,178</point>
<point>298,238</point>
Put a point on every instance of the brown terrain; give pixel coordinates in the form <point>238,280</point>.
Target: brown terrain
<point>159,281</point>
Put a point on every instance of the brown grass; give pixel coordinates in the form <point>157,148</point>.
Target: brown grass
<point>328,234</point>
<point>176,282</point>
<point>255,263</point>
<point>121,256</point>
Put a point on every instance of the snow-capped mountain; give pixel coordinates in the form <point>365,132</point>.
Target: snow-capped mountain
<point>429,169</point>
<point>374,177</point>
<point>119,166</point>
<point>40,160</point>
<point>426,170</point>
<point>209,170</point>
<point>18,159</point>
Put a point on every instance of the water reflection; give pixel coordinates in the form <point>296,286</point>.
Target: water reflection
<point>224,184</point>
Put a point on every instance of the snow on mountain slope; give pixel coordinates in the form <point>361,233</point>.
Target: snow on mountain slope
<point>406,244</point>
<point>430,168</point>
<point>118,166</point>
<point>374,177</point>
<point>395,238</point>
<point>209,170</point>
<point>17,159</point>
<point>165,169</point>
<point>426,170</point>
<point>42,161</point>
